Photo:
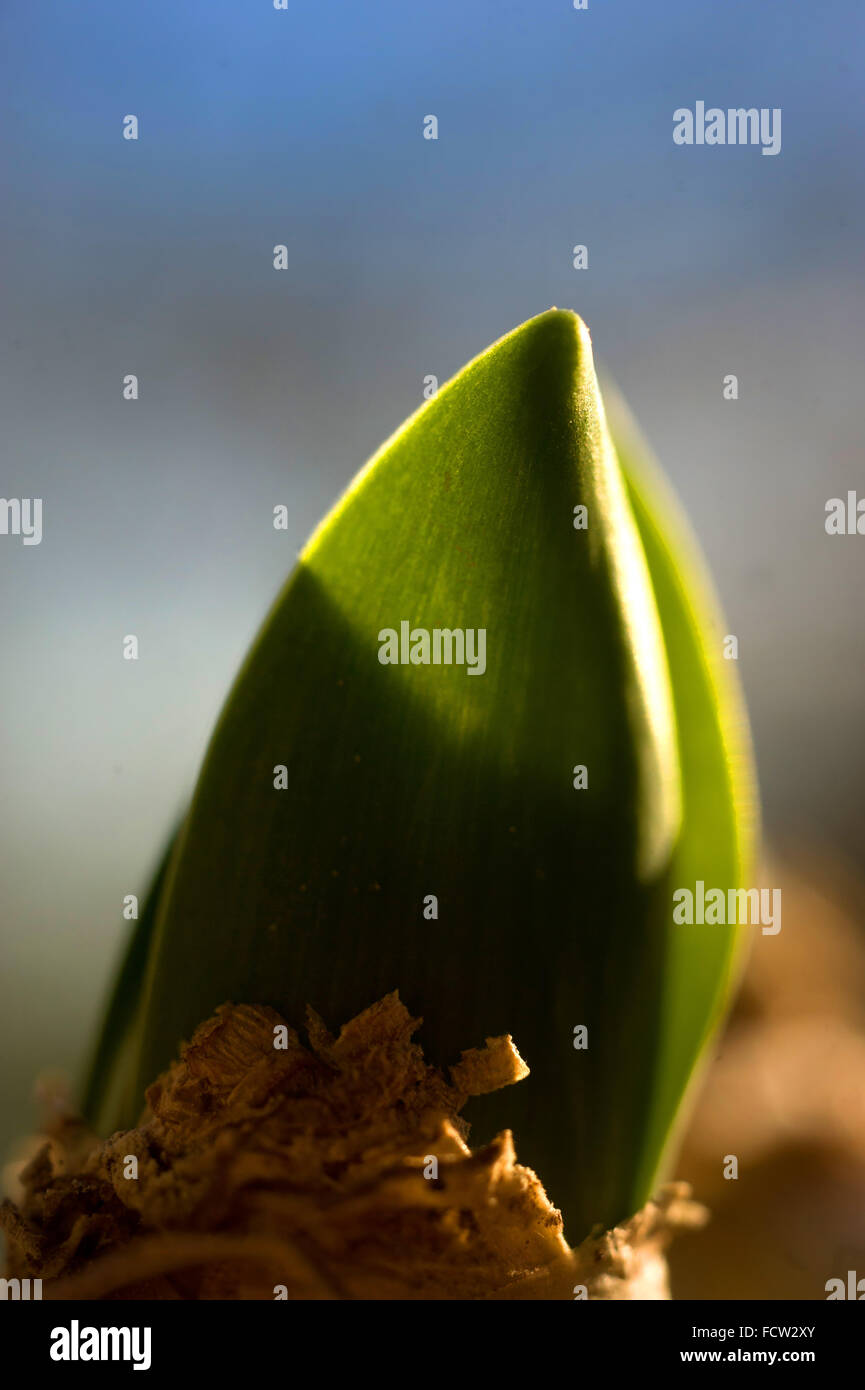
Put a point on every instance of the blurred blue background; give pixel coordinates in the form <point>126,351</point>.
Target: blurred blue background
<point>407,257</point>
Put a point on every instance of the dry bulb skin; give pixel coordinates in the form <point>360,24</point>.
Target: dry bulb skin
<point>266,1167</point>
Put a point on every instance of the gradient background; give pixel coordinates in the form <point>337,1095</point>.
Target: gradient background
<point>407,257</point>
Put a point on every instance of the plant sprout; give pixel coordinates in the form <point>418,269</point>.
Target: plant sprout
<point>500,845</point>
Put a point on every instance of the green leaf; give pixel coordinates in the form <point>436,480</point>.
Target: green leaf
<point>404,781</point>
<point>109,1090</point>
<point>719,793</point>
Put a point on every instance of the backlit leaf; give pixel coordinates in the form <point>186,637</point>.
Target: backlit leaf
<point>410,780</point>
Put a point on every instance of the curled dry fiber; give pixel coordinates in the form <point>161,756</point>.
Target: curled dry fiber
<point>305,1172</point>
